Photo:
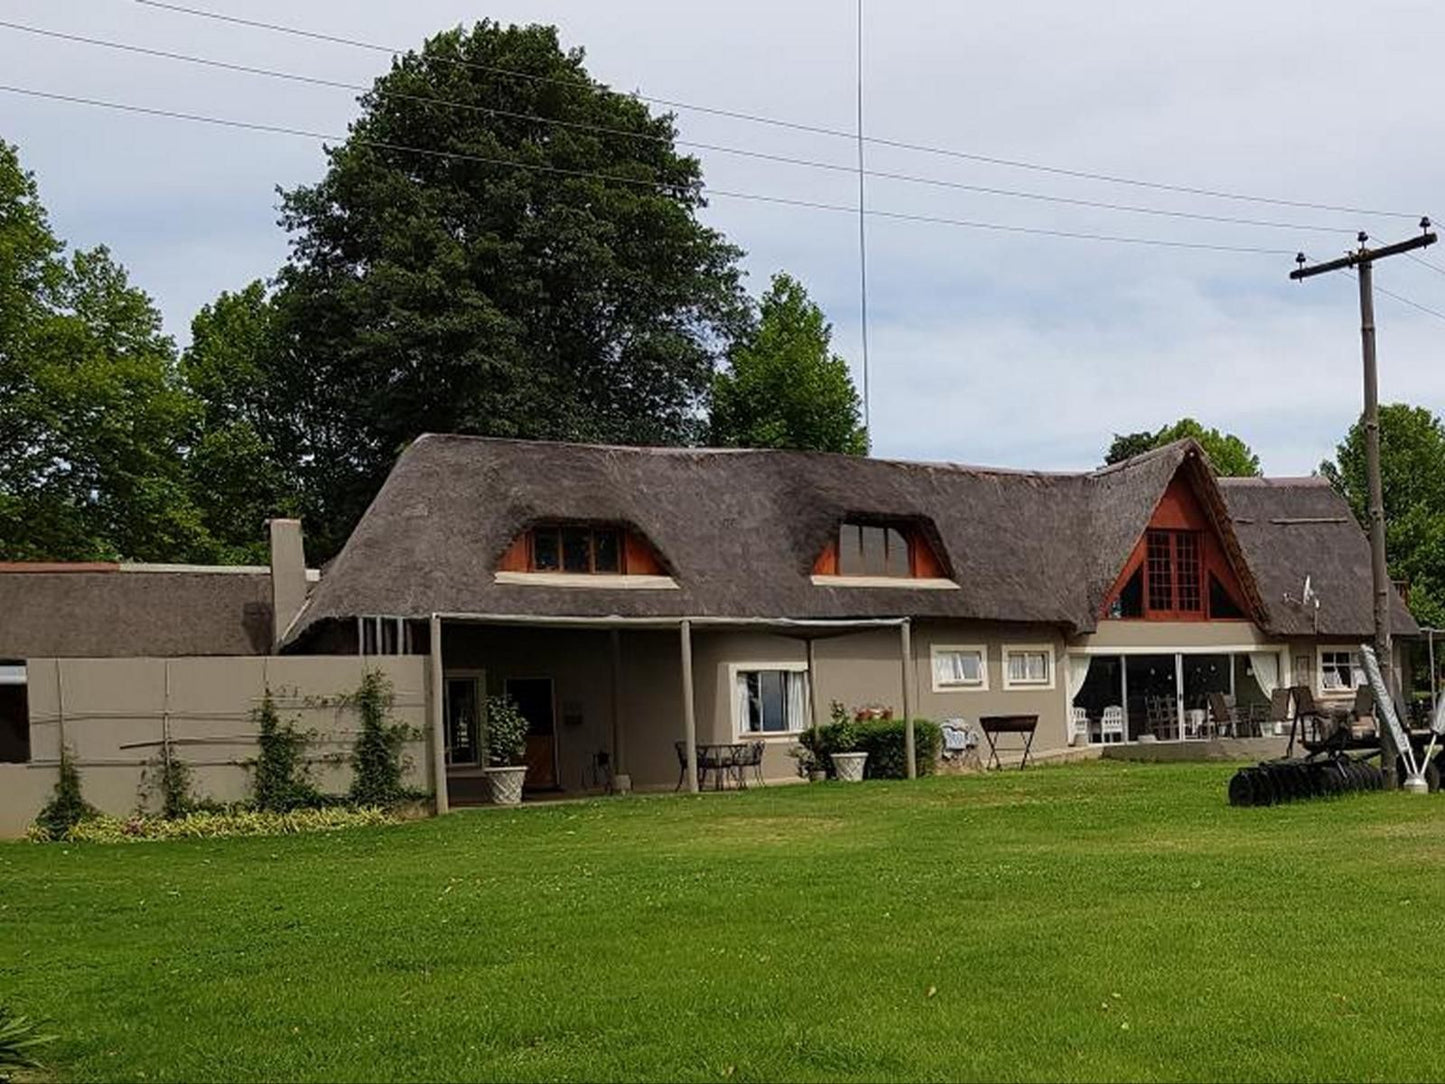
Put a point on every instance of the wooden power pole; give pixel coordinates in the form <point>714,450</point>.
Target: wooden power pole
<point>1363,261</point>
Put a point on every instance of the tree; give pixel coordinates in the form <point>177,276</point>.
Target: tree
<point>785,388</point>
<point>1412,470</point>
<point>1228,455</point>
<point>501,275</point>
<point>239,464</point>
<point>94,420</point>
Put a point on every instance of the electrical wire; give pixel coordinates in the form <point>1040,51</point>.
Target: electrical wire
<point>698,189</point>
<point>781,123</point>
<point>935,182</point>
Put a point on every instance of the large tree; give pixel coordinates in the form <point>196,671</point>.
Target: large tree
<point>94,419</point>
<point>1228,455</point>
<point>784,387</point>
<point>495,253</point>
<point>1412,470</point>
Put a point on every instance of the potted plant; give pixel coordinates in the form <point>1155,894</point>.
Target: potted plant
<point>506,748</point>
<point>812,762</point>
<point>840,738</point>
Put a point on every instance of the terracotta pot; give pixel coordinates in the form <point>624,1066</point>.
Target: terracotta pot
<point>848,767</point>
<point>505,784</point>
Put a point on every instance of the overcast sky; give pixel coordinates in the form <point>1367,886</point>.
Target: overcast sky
<point>986,347</point>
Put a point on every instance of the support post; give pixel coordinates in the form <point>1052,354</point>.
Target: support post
<point>905,637</point>
<point>812,685</point>
<point>689,713</point>
<point>437,707</point>
<point>1434,688</point>
<point>614,647</point>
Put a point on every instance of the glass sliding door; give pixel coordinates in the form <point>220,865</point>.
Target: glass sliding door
<point>1204,675</point>
<point>1153,706</point>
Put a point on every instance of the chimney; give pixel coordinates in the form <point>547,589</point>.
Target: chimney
<point>288,576</point>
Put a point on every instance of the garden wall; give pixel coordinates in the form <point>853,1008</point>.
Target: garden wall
<point>116,715</point>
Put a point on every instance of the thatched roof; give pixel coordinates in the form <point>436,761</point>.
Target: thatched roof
<point>740,529</point>
<point>1296,527</point>
<point>105,611</point>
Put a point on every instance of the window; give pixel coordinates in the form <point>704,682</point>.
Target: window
<point>576,549</point>
<point>771,701</point>
<point>463,719</point>
<point>1341,671</point>
<point>1172,569</point>
<point>959,667</point>
<point>1221,603</point>
<point>869,550</point>
<point>14,714</point>
<point>1028,666</point>
<point>382,635</point>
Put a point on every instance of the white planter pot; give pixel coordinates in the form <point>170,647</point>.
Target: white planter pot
<point>505,784</point>
<point>848,767</point>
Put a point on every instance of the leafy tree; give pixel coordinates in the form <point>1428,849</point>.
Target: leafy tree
<point>785,388</point>
<point>1228,455</point>
<point>239,464</point>
<point>1412,472</point>
<point>94,420</point>
<point>441,287</point>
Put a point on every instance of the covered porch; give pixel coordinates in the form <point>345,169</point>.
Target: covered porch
<point>620,703</point>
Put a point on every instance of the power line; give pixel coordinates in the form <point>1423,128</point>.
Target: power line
<point>698,188</point>
<point>755,118</point>
<point>936,182</point>
<point>1400,297</point>
<point>1426,263</point>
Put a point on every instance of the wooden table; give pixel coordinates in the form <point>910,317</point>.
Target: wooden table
<point>994,725</point>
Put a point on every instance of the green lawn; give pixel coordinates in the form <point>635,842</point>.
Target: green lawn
<point>1097,921</point>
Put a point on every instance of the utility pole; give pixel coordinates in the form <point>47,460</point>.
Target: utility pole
<point>1363,260</point>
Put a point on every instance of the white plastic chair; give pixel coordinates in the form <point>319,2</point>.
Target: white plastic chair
<point>955,738</point>
<point>1079,717</point>
<point>1111,724</point>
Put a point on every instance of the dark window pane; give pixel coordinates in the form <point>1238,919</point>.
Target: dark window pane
<point>897,560</point>
<point>605,551</point>
<point>774,704</point>
<point>1186,570</point>
<point>545,555</point>
<point>462,721</point>
<point>576,549</point>
<point>850,550</point>
<point>875,559</point>
<point>1221,603</point>
<point>1160,561</point>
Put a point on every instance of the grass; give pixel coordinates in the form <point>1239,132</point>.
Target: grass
<point>1096,921</point>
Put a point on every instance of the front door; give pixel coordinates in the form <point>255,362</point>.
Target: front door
<point>533,697</point>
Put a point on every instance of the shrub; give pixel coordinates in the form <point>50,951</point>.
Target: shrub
<point>376,759</point>
<point>278,781</point>
<point>816,747</point>
<point>506,732</point>
<point>886,745</point>
<point>67,806</point>
<point>208,824</point>
<point>19,1036</point>
<point>168,777</point>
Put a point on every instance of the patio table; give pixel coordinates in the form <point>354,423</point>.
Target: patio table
<point>994,725</point>
<point>725,760</point>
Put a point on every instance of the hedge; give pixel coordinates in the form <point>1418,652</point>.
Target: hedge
<point>884,742</point>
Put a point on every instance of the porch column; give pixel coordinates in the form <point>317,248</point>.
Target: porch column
<point>905,636</point>
<point>689,715</point>
<point>614,638</point>
<point>812,684</point>
<point>438,719</point>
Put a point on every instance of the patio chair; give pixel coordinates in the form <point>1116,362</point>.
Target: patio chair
<point>1079,725</point>
<point>1225,718</point>
<point>704,765</point>
<point>1111,724</point>
<point>955,739</point>
<point>754,760</point>
<point>1362,713</point>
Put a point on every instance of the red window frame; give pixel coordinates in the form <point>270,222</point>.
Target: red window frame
<point>1173,573</point>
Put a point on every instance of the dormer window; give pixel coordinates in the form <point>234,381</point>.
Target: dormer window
<point>877,553</point>
<point>558,548</point>
<point>582,554</point>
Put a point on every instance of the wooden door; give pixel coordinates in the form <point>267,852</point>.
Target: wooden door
<point>533,697</point>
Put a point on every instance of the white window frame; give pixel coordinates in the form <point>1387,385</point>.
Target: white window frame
<point>1047,650</point>
<point>1357,665</point>
<point>980,686</point>
<point>739,734</point>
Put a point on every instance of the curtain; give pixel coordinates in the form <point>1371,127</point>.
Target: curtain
<point>1078,673</point>
<point>1265,666</point>
<point>797,691</point>
<point>745,706</point>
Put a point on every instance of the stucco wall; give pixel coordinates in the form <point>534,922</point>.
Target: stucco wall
<point>115,713</point>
